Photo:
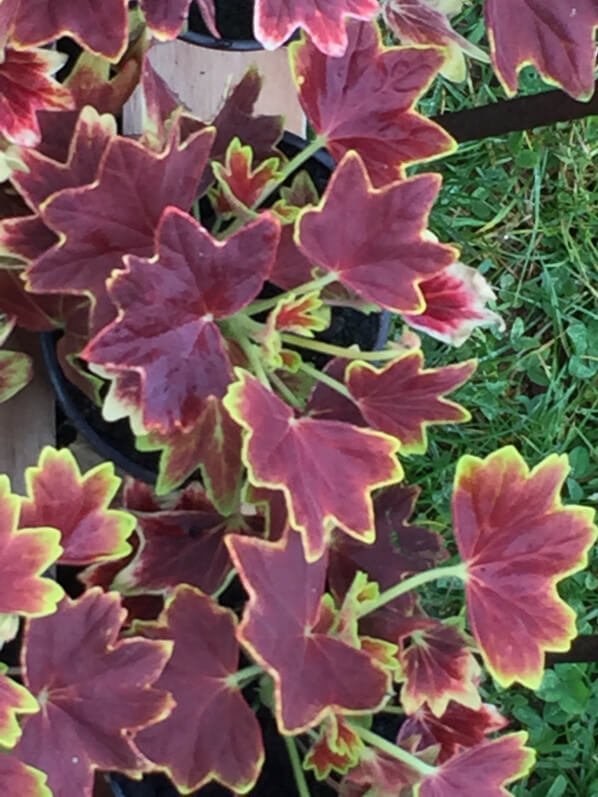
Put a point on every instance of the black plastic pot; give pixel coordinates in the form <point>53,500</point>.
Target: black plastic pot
<point>115,441</point>
<point>234,20</point>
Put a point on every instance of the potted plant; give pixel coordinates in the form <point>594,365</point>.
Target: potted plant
<point>192,272</point>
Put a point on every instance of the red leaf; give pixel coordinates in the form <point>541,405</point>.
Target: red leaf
<point>558,39</point>
<point>365,101</point>
<point>337,748</point>
<point>329,404</point>
<point>165,18</point>
<point>59,496</point>
<point>26,87</point>
<point>491,765</point>
<point>168,306</point>
<point>284,452</point>
<point>99,27</point>
<point>276,20</point>
<point>420,22</point>
<point>379,775</point>
<point>383,254</point>
<point>27,237</point>
<point>16,371</point>
<point>222,738</point>
<point>518,541</point>
<point>438,667</point>
<point>24,555</point>
<point>240,183</point>
<point>403,399</point>
<point>94,693</point>
<point>278,630</point>
<point>16,778</point>
<point>398,550</point>
<point>95,81</point>
<point>213,445</point>
<point>180,545</point>
<point>35,313</point>
<point>14,700</point>
<point>455,304</point>
<point>459,728</point>
<point>292,267</point>
<point>43,175</point>
<point>261,133</point>
<point>116,215</point>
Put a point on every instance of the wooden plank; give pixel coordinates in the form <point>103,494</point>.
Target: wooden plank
<point>201,78</point>
<point>27,421</point>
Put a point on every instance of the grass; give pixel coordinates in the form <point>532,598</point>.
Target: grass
<point>523,208</point>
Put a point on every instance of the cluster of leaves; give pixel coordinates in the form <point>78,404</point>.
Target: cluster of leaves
<point>190,271</point>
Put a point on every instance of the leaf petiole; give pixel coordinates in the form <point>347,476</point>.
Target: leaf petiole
<point>418,580</point>
<point>334,384</point>
<point>339,351</point>
<point>300,780</point>
<point>393,750</point>
<point>308,287</point>
<point>241,677</point>
<point>300,158</point>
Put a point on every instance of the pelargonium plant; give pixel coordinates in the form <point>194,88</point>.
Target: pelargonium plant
<point>193,272</point>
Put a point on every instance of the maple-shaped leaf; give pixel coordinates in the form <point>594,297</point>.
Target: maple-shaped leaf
<point>304,315</point>
<point>94,691</point>
<point>27,237</point>
<point>16,371</point>
<point>337,749</point>
<point>284,452</point>
<point>26,87</point>
<point>378,775</point>
<point>240,183</point>
<point>557,38</point>
<point>313,672</point>
<point>291,267</point>
<point>99,27</point>
<point>184,544</point>
<point>438,667</point>
<point>325,22</point>
<point>403,398</point>
<point>59,495</point>
<point>364,101</point>
<point>399,549</point>
<point>424,22</point>
<point>260,132</point>
<point>24,555</point>
<point>38,314</point>
<point>16,778</point>
<point>95,81</point>
<point>455,304</point>
<point>116,215</point>
<point>165,18</point>
<point>168,306</point>
<point>383,254</point>
<point>491,765</point>
<point>42,176</point>
<point>458,729</point>
<point>518,541</point>
<point>213,445</point>
<point>14,700</point>
<point>222,739</point>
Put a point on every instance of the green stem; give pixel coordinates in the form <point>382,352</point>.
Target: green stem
<point>339,351</point>
<point>308,287</point>
<point>246,674</point>
<point>285,392</point>
<point>459,570</point>
<point>291,167</point>
<point>195,210</point>
<point>393,750</point>
<point>300,781</point>
<point>326,380</point>
<point>237,328</point>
